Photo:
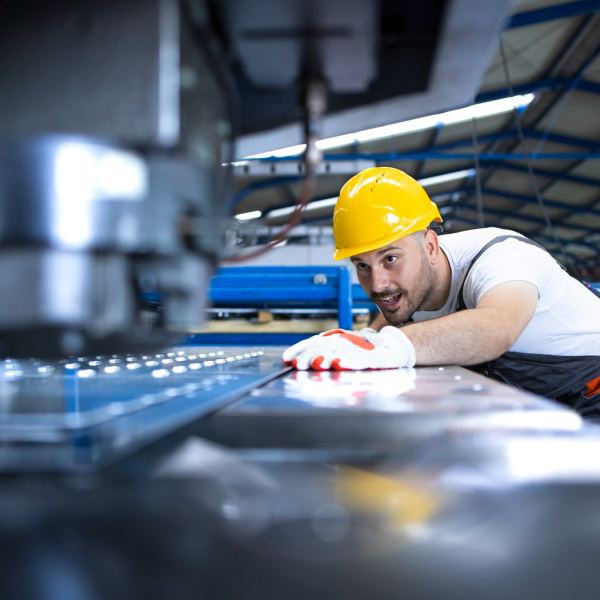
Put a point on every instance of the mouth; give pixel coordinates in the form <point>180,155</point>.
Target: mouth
<point>391,302</point>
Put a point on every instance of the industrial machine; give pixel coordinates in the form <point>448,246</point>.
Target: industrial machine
<point>133,468</point>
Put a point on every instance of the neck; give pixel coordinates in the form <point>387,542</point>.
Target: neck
<point>444,279</point>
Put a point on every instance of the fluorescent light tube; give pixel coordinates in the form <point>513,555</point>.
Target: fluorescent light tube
<point>445,177</point>
<point>476,111</point>
<point>249,216</point>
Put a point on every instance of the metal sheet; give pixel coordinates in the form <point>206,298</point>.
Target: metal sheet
<point>366,415</point>
<point>435,392</point>
<point>86,412</point>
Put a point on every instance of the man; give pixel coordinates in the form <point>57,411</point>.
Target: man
<point>488,299</point>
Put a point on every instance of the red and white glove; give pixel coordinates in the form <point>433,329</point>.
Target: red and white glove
<point>349,351</point>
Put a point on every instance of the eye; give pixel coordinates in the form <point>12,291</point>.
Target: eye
<point>390,259</point>
<point>361,266</point>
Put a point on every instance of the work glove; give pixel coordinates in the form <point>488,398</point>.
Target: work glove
<point>349,351</point>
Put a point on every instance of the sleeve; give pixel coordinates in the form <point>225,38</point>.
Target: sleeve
<point>510,260</point>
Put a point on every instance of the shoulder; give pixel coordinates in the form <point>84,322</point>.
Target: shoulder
<point>475,238</point>
<point>508,261</point>
<point>461,248</point>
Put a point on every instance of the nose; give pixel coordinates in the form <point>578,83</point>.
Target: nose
<point>380,280</point>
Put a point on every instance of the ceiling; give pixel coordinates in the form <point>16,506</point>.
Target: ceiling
<point>533,171</point>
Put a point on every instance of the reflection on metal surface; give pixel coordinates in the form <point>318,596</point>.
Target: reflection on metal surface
<point>340,389</point>
<point>403,500</point>
<point>553,458</point>
<point>399,527</point>
<point>82,412</point>
<point>422,390</point>
<point>447,397</point>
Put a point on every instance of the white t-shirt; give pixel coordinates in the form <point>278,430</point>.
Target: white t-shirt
<point>567,317</point>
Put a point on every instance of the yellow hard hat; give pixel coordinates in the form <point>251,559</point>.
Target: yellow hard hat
<point>377,207</point>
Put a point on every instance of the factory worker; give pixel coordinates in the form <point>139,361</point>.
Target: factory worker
<point>488,299</point>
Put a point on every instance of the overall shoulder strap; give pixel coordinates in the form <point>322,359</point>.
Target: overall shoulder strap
<point>496,240</point>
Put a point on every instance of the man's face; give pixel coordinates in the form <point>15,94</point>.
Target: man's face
<point>399,278</point>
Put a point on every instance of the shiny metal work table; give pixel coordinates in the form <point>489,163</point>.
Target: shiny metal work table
<point>380,411</point>
<point>221,472</point>
<point>88,412</point>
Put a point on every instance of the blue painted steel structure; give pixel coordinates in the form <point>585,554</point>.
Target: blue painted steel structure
<point>269,287</point>
<point>245,339</point>
<point>549,84</point>
<point>281,286</point>
<point>550,13</point>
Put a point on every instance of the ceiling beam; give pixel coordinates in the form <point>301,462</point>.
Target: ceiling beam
<point>551,13</point>
<point>505,214</point>
<point>551,174</point>
<point>533,200</point>
<point>548,84</point>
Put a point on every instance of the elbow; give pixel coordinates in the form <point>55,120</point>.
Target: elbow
<point>502,331</point>
<point>504,341</point>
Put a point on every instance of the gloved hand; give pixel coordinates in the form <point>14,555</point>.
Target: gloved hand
<point>349,351</point>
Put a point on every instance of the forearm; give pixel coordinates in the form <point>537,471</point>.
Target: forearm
<point>465,338</point>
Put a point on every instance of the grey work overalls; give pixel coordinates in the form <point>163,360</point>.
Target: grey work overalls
<point>571,380</point>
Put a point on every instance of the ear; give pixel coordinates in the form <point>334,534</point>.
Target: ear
<point>431,246</point>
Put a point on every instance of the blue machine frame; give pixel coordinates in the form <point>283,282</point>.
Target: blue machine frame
<point>268,287</point>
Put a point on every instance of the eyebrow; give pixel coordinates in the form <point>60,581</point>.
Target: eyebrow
<point>379,253</point>
<point>388,249</point>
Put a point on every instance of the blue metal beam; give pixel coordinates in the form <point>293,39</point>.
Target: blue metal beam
<point>550,13</point>
<point>425,153</point>
<point>470,156</point>
<point>568,87</point>
<point>437,152</point>
<point>552,174</point>
<point>504,214</point>
<point>533,200</point>
<point>550,84</point>
<point>558,138</point>
<point>588,86</point>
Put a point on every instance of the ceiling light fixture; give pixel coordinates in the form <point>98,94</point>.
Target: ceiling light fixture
<point>445,177</point>
<point>460,115</point>
<point>249,216</point>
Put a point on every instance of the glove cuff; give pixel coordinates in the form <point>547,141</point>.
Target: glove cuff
<point>397,338</point>
<point>366,330</point>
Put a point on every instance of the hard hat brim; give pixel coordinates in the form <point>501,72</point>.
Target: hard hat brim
<point>341,253</point>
